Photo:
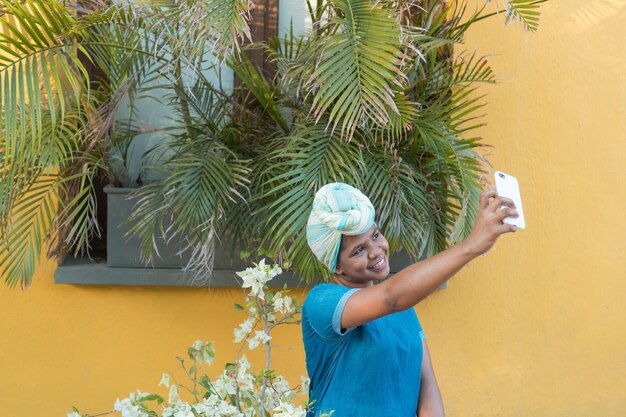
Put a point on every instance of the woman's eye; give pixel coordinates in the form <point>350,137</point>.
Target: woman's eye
<point>376,235</point>
<point>358,251</point>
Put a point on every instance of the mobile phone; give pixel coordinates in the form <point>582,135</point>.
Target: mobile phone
<point>507,186</point>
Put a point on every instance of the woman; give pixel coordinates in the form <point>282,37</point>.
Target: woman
<point>365,349</point>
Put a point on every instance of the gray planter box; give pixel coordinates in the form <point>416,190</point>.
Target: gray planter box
<point>124,252</point>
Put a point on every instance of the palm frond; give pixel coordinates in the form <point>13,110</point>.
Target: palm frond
<point>443,140</point>
<point>42,81</point>
<point>33,221</point>
<point>200,25</point>
<point>39,64</point>
<point>525,11</point>
<point>204,180</point>
<point>355,78</point>
<point>77,214</point>
<point>299,165</point>
<point>264,92</point>
<point>458,180</point>
<point>398,190</point>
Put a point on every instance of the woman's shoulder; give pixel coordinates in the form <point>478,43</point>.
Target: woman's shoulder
<point>325,291</point>
<point>327,288</point>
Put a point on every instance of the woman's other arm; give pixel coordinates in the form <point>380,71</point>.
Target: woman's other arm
<point>430,403</point>
<point>415,282</point>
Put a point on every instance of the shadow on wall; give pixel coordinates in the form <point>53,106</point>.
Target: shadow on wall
<point>586,24</point>
<point>584,16</point>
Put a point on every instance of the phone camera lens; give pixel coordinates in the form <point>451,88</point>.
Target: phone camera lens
<point>501,175</point>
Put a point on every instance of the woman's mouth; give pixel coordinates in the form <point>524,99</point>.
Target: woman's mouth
<point>379,266</point>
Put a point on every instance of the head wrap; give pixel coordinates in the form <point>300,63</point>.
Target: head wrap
<point>338,209</point>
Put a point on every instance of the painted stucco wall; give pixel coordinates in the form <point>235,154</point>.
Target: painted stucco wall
<point>535,328</point>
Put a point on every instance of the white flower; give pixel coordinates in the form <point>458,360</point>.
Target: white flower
<point>243,364</point>
<point>244,329</point>
<point>256,278</point>
<point>259,338</point>
<point>178,409</point>
<point>128,409</point>
<point>73,414</point>
<point>224,385</point>
<point>288,410</point>
<point>283,304</point>
<point>184,410</point>
<point>165,379</point>
<point>173,395</point>
<point>276,270</point>
<point>245,382</point>
<point>205,351</point>
<point>226,410</point>
<point>245,379</point>
<point>305,382</point>
<point>216,407</point>
<point>283,390</point>
<point>204,408</point>
<point>131,406</point>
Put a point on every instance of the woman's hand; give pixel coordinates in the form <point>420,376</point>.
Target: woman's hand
<point>488,226</point>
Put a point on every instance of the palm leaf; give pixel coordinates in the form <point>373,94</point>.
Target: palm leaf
<point>222,25</point>
<point>298,166</point>
<point>263,91</point>
<point>21,243</point>
<point>77,214</point>
<point>355,78</point>
<point>36,82</point>
<point>398,191</point>
<point>34,43</point>
<point>204,179</point>
<point>525,11</point>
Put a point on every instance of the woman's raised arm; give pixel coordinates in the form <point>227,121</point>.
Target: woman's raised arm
<point>415,282</point>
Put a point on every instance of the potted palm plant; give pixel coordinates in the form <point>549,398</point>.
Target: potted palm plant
<point>377,94</point>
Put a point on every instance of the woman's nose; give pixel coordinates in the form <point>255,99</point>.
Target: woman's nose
<point>375,252</point>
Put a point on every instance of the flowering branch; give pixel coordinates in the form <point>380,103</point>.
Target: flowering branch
<point>237,392</point>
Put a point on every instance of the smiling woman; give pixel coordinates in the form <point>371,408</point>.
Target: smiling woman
<point>363,259</point>
<point>356,332</point>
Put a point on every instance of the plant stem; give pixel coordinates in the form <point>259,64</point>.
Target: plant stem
<point>268,356</point>
<point>179,88</point>
<point>195,379</point>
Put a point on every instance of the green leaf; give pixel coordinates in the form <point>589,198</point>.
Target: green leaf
<point>153,397</point>
<point>356,77</point>
<point>525,11</point>
<point>230,367</point>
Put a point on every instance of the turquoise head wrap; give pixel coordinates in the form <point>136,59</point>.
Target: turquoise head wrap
<point>338,209</point>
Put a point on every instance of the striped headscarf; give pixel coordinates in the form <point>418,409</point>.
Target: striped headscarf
<point>338,209</point>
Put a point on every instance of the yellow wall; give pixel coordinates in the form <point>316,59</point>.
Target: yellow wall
<point>536,328</point>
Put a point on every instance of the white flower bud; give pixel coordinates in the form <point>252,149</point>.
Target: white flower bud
<point>165,379</point>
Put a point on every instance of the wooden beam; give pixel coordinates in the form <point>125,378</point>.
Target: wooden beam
<point>263,26</point>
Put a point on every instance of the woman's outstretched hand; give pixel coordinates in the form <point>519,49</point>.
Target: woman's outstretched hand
<point>488,226</point>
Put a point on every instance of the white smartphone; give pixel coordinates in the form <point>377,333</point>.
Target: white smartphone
<point>507,186</point>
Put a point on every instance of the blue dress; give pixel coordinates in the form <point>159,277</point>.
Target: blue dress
<point>370,370</point>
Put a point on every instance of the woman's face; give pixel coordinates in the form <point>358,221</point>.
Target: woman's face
<point>362,259</point>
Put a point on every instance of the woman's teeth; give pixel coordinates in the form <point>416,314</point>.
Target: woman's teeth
<point>378,264</point>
